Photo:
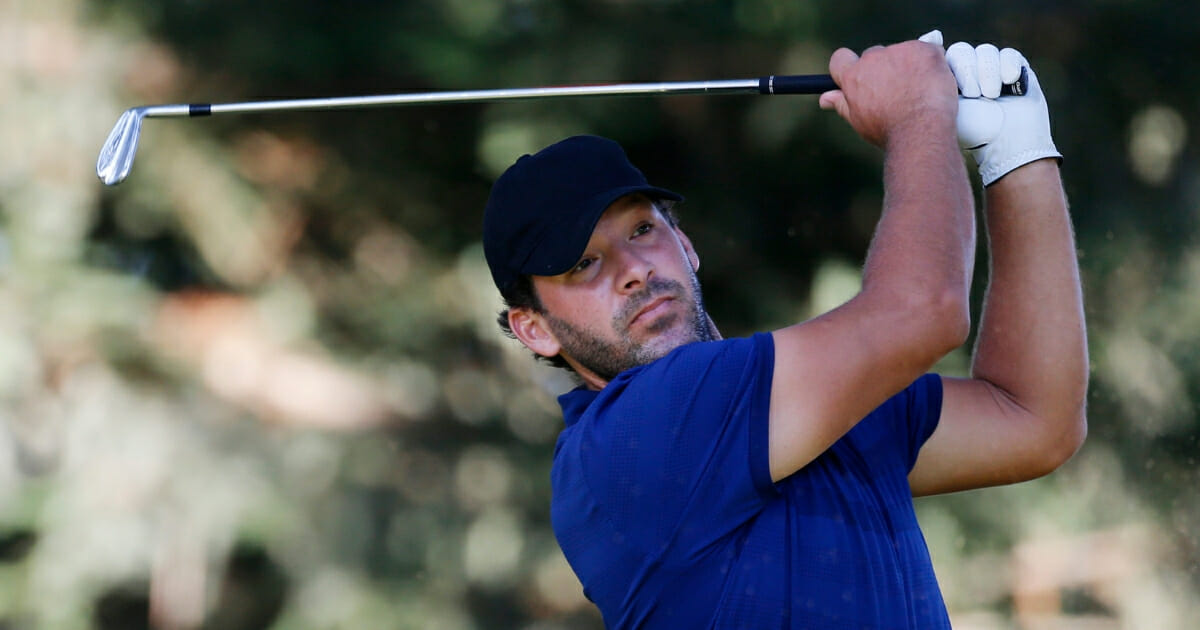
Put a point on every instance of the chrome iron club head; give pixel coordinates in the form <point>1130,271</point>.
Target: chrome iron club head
<point>116,156</point>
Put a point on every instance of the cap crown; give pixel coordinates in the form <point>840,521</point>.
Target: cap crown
<point>542,210</point>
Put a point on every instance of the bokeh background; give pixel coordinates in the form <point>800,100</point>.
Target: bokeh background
<point>259,385</point>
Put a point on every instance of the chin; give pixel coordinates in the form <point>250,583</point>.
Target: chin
<point>662,345</point>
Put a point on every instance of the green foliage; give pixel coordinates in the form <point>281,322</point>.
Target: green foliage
<point>259,383</point>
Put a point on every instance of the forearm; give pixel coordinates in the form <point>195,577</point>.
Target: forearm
<point>913,305</point>
<point>1032,342</point>
<point>925,240</point>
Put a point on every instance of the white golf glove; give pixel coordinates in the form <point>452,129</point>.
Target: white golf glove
<point>1001,132</point>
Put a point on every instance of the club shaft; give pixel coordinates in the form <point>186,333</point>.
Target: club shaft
<point>802,84</point>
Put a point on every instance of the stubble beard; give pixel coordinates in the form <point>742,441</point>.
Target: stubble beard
<point>607,358</point>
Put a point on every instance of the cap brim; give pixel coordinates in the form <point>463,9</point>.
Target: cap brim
<point>562,248</point>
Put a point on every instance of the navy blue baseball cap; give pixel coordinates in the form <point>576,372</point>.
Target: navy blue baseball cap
<point>542,210</point>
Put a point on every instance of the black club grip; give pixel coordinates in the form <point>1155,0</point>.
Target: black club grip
<point>796,84</point>
<point>818,83</point>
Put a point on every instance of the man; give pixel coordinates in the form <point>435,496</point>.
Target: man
<point>767,482</point>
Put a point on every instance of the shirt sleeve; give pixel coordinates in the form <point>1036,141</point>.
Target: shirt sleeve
<point>677,453</point>
<point>919,408</point>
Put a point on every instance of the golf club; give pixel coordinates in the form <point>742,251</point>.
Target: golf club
<point>116,156</point>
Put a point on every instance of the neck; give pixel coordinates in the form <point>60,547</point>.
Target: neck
<point>588,378</point>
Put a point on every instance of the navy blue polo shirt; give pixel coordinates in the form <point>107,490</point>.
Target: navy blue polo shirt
<point>664,507</point>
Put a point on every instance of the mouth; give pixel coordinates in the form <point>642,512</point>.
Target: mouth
<point>651,310</point>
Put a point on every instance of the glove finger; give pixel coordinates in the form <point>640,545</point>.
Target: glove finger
<point>932,37</point>
<point>961,57</point>
<point>1011,62</point>
<point>979,122</point>
<point>988,58</point>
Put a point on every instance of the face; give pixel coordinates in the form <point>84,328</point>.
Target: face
<point>632,297</point>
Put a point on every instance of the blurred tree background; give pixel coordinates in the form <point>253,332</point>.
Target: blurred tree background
<point>259,385</point>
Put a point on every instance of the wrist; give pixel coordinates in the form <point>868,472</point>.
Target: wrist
<point>923,129</point>
<point>1030,174</point>
<point>992,172</point>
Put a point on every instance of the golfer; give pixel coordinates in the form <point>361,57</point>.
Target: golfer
<point>767,482</point>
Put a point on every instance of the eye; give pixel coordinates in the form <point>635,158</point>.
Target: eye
<point>582,265</point>
<point>643,228</point>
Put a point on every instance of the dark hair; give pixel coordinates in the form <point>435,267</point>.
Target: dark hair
<point>523,294</point>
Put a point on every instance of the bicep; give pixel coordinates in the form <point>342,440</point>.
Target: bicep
<point>831,372</point>
<point>984,437</point>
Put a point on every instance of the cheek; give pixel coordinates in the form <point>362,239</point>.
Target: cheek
<point>582,308</point>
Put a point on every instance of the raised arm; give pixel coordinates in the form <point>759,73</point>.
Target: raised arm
<point>1021,414</point>
<point>833,370</point>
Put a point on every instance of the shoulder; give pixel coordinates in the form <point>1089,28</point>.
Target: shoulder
<point>685,435</point>
<point>697,399</point>
<point>698,362</point>
<point>697,384</point>
<point>704,371</point>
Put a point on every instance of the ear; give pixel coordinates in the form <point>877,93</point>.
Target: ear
<point>530,328</point>
<point>687,247</point>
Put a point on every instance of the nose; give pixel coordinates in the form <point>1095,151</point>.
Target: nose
<point>635,272</point>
